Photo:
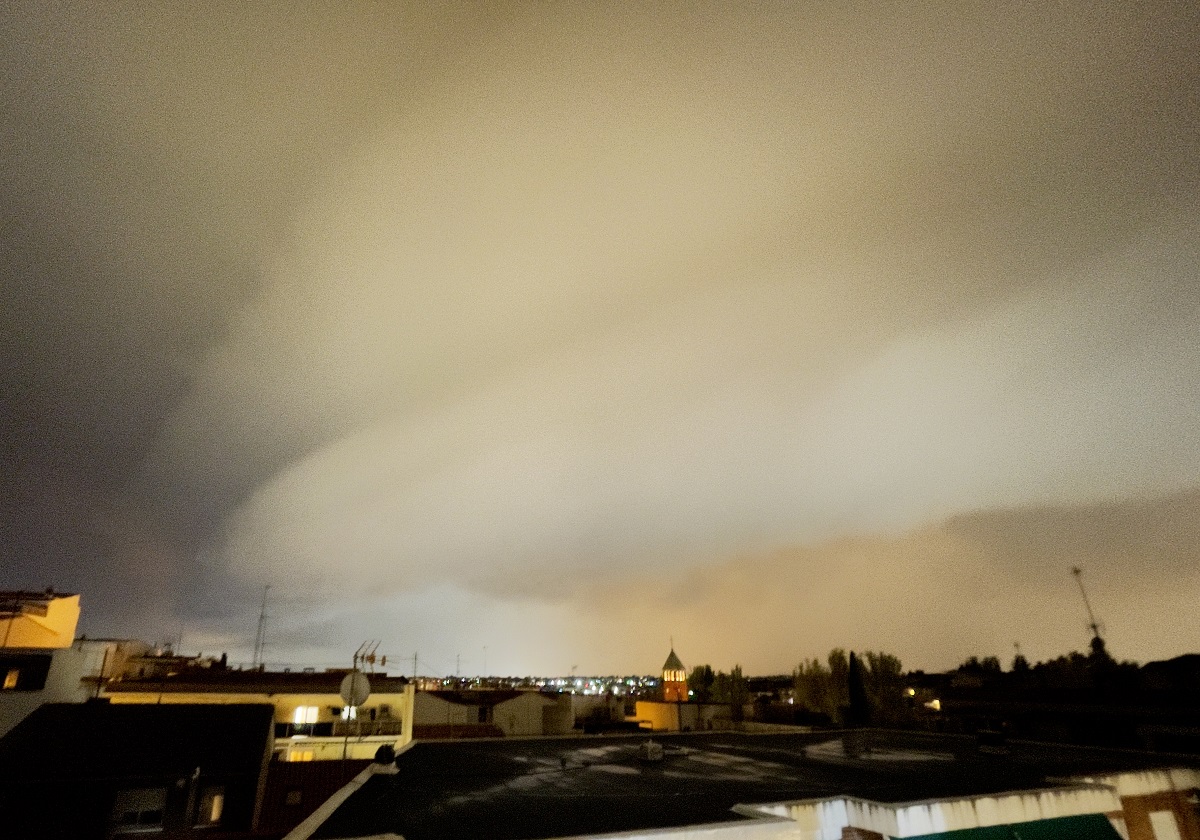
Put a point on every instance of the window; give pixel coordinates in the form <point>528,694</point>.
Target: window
<point>139,809</point>
<point>304,714</point>
<point>300,755</point>
<point>212,805</point>
<point>23,671</point>
<point>349,713</point>
<point>1164,824</point>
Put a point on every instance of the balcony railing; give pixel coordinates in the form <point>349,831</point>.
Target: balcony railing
<point>354,728</point>
<point>341,728</point>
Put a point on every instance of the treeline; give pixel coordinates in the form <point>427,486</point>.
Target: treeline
<point>1075,672</point>
<point>709,687</point>
<point>853,690</point>
<point>845,690</point>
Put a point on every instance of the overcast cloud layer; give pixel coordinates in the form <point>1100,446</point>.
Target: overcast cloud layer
<point>535,335</point>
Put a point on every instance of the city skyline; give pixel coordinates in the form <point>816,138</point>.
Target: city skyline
<point>563,331</point>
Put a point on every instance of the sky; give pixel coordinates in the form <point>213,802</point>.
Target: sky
<point>531,337</point>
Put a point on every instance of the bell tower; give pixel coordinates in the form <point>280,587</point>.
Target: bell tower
<point>674,679</point>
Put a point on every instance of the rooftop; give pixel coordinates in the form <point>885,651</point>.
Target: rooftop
<point>15,601</point>
<point>524,789</point>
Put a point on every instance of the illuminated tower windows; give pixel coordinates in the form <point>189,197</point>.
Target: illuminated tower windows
<point>674,680</point>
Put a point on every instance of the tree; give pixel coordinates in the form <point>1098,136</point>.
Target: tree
<point>739,687</point>
<point>811,687</point>
<point>731,687</point>
<point>700,683</point>
<point>858,712</point>
<point>988,666</point>
<point>884,679</point>
<point>839,684</point>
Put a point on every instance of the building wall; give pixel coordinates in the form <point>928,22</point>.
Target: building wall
<point>293,791</point>
<point>828,818</point>
<point>586,705</point>
<point>1150,792</point>
<point>64,684</point>
<point>285,704</point>
<point>74,676</point>
<point>110,658</point>
<point>356,742</point>
<point>674,690</point>
<point>762,829</point>
<point>523,714</point>
<point>687,717</point>
<point>558,718</point>
<point>1144,814</point>
<point>668,717</point>
<point>431,710</point>
<point>56,629</point>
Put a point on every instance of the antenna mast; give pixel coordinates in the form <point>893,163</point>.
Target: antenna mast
<point>260,637</point>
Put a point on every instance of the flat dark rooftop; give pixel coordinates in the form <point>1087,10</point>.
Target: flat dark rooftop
<point>525,789</point>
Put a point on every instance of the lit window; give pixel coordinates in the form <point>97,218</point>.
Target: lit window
<point>300,755</point>
<point>140,809</point>
<point>304,714</point>
<point>10,679</point>
<point>212,805</point>
<point>349,713</point>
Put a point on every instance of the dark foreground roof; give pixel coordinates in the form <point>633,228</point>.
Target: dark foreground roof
<point>61,741</point>
<point>538,788</point>
<point>67,766</point>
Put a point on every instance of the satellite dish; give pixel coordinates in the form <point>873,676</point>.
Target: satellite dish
<point>355,688</point>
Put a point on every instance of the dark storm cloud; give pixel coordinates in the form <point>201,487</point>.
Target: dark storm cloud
<point>151,156</point>
<point>422,313</point>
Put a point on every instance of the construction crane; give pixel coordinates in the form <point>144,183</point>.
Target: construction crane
<point>1093,625</point>
<point>260,638</point>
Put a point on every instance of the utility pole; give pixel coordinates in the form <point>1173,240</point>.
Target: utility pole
<point>260,637</point>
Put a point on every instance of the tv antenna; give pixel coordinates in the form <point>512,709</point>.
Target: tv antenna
<point>365,655</point>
